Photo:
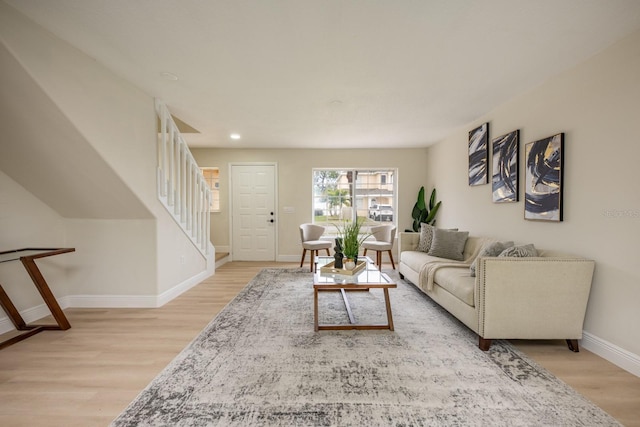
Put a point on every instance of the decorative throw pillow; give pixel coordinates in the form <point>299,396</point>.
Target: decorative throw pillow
<point>448,244</point>
<point>492,249</point>
<point>426,235</point>
<point>519,251</point>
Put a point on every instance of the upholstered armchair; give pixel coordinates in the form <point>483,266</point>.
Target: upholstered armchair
<point>310,235</point>
<point>384,236</point>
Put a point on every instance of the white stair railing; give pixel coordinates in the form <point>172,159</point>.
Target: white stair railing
<point>181,187</point>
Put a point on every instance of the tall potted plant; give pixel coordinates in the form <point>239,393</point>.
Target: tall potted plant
<point>422,212</point>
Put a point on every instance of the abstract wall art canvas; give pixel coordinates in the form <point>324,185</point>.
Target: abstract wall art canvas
<point>543,179</point>
<point>504,178</point>
<point>479,155</point>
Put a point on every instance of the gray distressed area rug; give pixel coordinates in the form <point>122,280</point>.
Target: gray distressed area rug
<point>259,362</point>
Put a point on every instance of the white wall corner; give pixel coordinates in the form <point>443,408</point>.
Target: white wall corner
<point>618,356</point>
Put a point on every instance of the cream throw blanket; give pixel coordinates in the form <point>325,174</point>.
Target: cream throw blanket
<point>472,249</point>
<point>429,270</point>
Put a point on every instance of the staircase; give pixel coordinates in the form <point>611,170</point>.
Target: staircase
<point>181,187</point>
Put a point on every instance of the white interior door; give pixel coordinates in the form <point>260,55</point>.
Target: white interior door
<point>253,212</point>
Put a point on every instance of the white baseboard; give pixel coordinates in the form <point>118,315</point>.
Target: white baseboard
<point>291,258</point>
<point>29,315</point>
<point>223,261</point>
<point>107,301</point>
<point>179,289</point>
<point>225,249</point>
<point>618,356</point>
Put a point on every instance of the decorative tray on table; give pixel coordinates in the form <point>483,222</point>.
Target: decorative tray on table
<point>331,269</point>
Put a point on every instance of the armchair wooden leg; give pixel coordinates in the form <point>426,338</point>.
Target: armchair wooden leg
<point>313,254</point>
<point>328,253</point>
<point>484,344</point>
<point>573,346</point>
<point>304,252</point>
<point>365,252</point>
<point>391,258</point>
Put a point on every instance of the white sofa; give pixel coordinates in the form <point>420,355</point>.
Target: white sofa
<point>543,297</point>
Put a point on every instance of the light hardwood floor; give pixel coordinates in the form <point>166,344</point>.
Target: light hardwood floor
<point>87,375</point>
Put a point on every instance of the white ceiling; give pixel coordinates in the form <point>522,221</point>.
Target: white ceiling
<point>335,73</point>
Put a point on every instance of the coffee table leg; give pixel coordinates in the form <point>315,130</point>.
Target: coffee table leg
<point>388,304</point>
<point>315,310</point>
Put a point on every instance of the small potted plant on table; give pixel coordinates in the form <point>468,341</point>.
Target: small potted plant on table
<point>351,239</point>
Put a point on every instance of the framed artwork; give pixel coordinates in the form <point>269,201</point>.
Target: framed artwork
<point>504,178</point>
<point>479,155</point>
<point>543,179</point>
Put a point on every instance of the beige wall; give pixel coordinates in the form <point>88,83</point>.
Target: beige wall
<point>295,184</point>
<point>130,244</point>
<point>27,222</point>
<point>597,106</point>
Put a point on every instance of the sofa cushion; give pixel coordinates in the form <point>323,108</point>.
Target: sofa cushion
<point>457,281</point>
<point>473,246</point>
<point>426,235</point>
<point>492,249</point>
<point>448,244</point>
<point>520,251</point>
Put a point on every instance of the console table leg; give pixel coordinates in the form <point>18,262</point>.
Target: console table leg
<point>12,311</point>
<point>46,293</point>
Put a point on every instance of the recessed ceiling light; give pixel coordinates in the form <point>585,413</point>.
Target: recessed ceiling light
<point>169,76</point>
<point>234,136</point>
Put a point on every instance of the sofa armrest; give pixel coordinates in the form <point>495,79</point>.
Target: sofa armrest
<point>532,298</point>
<point>408,241</point>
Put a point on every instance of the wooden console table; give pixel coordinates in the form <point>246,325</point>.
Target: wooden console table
<point>27,257</point>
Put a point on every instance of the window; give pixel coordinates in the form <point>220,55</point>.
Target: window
<point>212,177</point>
<point>340,194</point>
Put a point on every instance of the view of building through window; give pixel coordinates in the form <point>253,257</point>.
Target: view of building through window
<point>340,195</point>
<point>212,177</point>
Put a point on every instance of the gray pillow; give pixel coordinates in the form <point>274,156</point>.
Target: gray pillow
<point>448,244</point>
<point>426,235</point>
<point>492,249</point>
<point>519,251</point>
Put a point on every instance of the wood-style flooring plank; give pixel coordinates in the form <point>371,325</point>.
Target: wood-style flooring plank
<point>87,375</point>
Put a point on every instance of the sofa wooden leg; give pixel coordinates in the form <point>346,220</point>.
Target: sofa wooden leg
<point>573,346</point>
<point>401,276</point>
<point>484,344</point>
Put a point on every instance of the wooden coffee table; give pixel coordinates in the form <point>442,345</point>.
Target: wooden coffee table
<point>369,278</point>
